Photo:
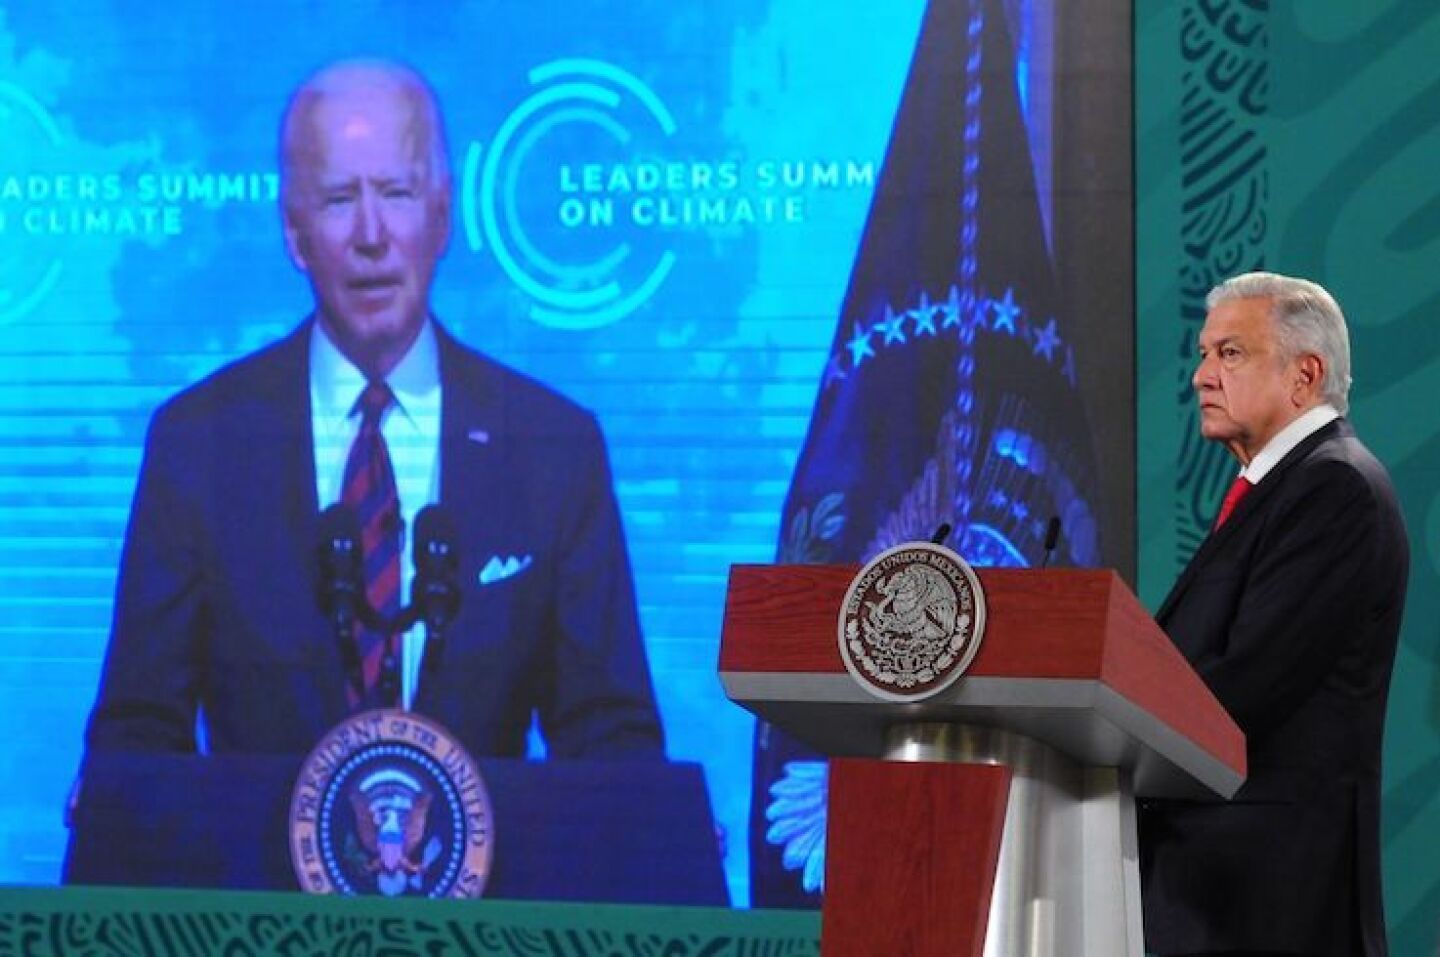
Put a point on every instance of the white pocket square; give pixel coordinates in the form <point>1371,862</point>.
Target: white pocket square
<point>499,569</point>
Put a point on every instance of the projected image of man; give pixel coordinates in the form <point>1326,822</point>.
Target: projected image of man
<point>371,402</point>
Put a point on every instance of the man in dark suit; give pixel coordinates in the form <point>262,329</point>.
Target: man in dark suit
<point>1290,612</point>
<point>217,623</point>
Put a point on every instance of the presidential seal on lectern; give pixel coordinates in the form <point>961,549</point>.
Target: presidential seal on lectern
<point>911,621</point>
<point>390,803</point>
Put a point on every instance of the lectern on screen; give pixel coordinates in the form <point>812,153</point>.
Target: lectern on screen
<point>617,832</point>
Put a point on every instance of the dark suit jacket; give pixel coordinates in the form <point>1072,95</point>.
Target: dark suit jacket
<point>217,600</point>
<point>1290,613</point>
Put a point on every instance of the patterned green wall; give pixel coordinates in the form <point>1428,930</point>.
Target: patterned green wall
<point>95,922</point>
<point>1304,136</point>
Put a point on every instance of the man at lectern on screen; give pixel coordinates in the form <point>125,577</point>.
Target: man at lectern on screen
<point>221,633</point>
<point>1289,611</point>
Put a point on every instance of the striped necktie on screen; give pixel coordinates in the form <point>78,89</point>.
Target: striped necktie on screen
<point>369,488</point>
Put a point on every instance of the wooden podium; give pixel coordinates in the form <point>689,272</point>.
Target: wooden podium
<point>1000,816</point>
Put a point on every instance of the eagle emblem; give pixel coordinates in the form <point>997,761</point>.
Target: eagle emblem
<point>911,621</point>
<point>389,802</point>
<point>390,808</point>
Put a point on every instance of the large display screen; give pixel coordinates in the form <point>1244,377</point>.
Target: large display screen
<point>825,274</point>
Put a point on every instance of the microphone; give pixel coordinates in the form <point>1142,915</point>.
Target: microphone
<point>342,579</point>
<point>435,594</point>
<point>1052,537</point>
<point>941,533</point>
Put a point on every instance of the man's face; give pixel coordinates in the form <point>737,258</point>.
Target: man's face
<point>366,220</point>
<point>1247,391</point>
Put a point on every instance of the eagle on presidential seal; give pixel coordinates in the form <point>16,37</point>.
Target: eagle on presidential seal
<point>390,809</point>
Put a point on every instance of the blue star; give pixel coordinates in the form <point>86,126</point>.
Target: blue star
<point>1006,311</point>
<point>1047,340</point>
<point>951,308</point>
<point>833,373</point>
<point>859,346</point>
<point>924,314</point>
<point>893,326</point>
<point>925,320</point>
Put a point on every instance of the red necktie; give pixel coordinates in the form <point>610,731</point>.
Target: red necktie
<point>369,489</point>
<point>1238,489</point>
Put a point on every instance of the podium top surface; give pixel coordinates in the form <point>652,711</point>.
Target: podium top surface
<point>1069,656</point>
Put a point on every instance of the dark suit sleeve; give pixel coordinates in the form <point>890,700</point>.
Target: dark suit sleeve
<point>1308,591</point>
<point>601,703</point>
<point>148,687</point>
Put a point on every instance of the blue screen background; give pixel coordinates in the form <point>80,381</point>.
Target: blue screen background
<point>140,249</point>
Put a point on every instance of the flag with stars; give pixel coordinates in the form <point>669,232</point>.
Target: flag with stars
<point>950,392</point>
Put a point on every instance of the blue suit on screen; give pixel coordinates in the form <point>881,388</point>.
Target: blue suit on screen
<point>217,605</point>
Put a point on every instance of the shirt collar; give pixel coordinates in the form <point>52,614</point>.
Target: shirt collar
<point>336,382</point>
<point>1304,426</point>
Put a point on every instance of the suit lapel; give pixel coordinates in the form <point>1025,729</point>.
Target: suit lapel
<point>296,467</point>
<point>471,429</point>
<point>1250,505</point>
<point>288,483</point>
<point>472,475</point>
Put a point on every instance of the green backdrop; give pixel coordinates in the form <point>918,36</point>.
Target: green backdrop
<point>1303,136</point>
<point>114,922</point>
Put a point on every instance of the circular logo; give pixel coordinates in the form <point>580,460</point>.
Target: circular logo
<point>30,265</point>
<point>390,803</point>
<point>911,622</point>
<point>576,107</point>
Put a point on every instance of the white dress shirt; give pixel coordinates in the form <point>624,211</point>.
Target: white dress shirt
<point>1286,439</point>
<point>411,427</point>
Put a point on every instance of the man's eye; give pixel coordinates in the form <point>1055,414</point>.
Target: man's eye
<point>336,199</point>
